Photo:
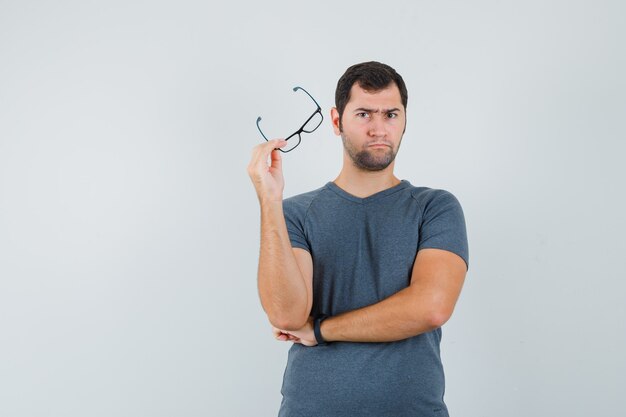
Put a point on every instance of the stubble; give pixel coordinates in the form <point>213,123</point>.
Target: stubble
<point>369,159</point>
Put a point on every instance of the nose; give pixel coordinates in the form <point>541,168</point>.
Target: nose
<point>377,127</point>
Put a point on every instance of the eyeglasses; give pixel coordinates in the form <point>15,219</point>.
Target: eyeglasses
<point>313,122</point>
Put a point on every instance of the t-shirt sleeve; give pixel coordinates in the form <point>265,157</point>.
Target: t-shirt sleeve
<point>295,216</point>
<point>443,226</point>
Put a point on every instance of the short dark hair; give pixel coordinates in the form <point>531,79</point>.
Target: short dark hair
<point>371,76</point>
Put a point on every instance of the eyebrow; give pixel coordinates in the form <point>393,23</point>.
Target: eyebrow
<point>363,109</point>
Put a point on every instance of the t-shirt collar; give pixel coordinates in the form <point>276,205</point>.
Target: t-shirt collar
<point>342,193</point>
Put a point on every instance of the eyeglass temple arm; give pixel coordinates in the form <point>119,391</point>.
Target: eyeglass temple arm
<point>307,93</point>
<point>259,127</point>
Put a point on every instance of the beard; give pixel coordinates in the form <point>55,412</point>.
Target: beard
<point>369,159</point>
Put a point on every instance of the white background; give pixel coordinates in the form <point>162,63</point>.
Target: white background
<point>129,230</point>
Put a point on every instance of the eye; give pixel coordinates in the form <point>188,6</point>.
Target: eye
<point>362,115</point>
<point>392,115</point>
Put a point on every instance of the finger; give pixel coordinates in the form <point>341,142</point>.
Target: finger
<point>278,332</point>
<point>280,335</point>
<point>277,162</point>
<point>267,147</point>
<point>262,152</point>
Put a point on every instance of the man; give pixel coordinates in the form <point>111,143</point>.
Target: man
<point>362,273</point>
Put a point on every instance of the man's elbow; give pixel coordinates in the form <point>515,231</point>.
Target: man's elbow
<point>291,317</point>
<point>437,317</point>
<point>289,322</point>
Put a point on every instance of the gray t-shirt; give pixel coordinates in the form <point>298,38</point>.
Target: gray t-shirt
<point>363,251</point>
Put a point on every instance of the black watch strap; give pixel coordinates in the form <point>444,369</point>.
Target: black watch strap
<point>316,329</point>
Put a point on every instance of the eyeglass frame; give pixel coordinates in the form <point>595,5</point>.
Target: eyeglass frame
<point>301,130</point>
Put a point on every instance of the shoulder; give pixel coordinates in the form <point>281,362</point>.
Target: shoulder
<point>298,205</point>
<point>433,198</point>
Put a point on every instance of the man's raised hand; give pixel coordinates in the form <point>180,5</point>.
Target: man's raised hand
<point>267,178</point>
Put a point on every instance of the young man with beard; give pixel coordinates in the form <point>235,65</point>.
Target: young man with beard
<point>361,273</point>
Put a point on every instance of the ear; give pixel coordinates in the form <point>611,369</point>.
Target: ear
<point>334,117</point>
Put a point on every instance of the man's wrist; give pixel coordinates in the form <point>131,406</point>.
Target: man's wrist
<point>317,329</point>
<point>270,203</point>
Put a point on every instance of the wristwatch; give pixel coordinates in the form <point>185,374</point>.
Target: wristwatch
<point>316,329</point>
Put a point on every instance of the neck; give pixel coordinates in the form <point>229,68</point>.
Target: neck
<point>362,184</point>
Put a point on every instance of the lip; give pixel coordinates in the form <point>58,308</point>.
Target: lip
<point>379,145</point>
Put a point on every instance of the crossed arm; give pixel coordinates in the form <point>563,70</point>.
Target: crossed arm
<point>426,304</point>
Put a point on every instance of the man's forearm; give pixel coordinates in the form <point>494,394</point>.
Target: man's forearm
<point>282,289</point>
<point>402,315</point>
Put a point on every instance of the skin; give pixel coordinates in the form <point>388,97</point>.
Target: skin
<point>371,129</point>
